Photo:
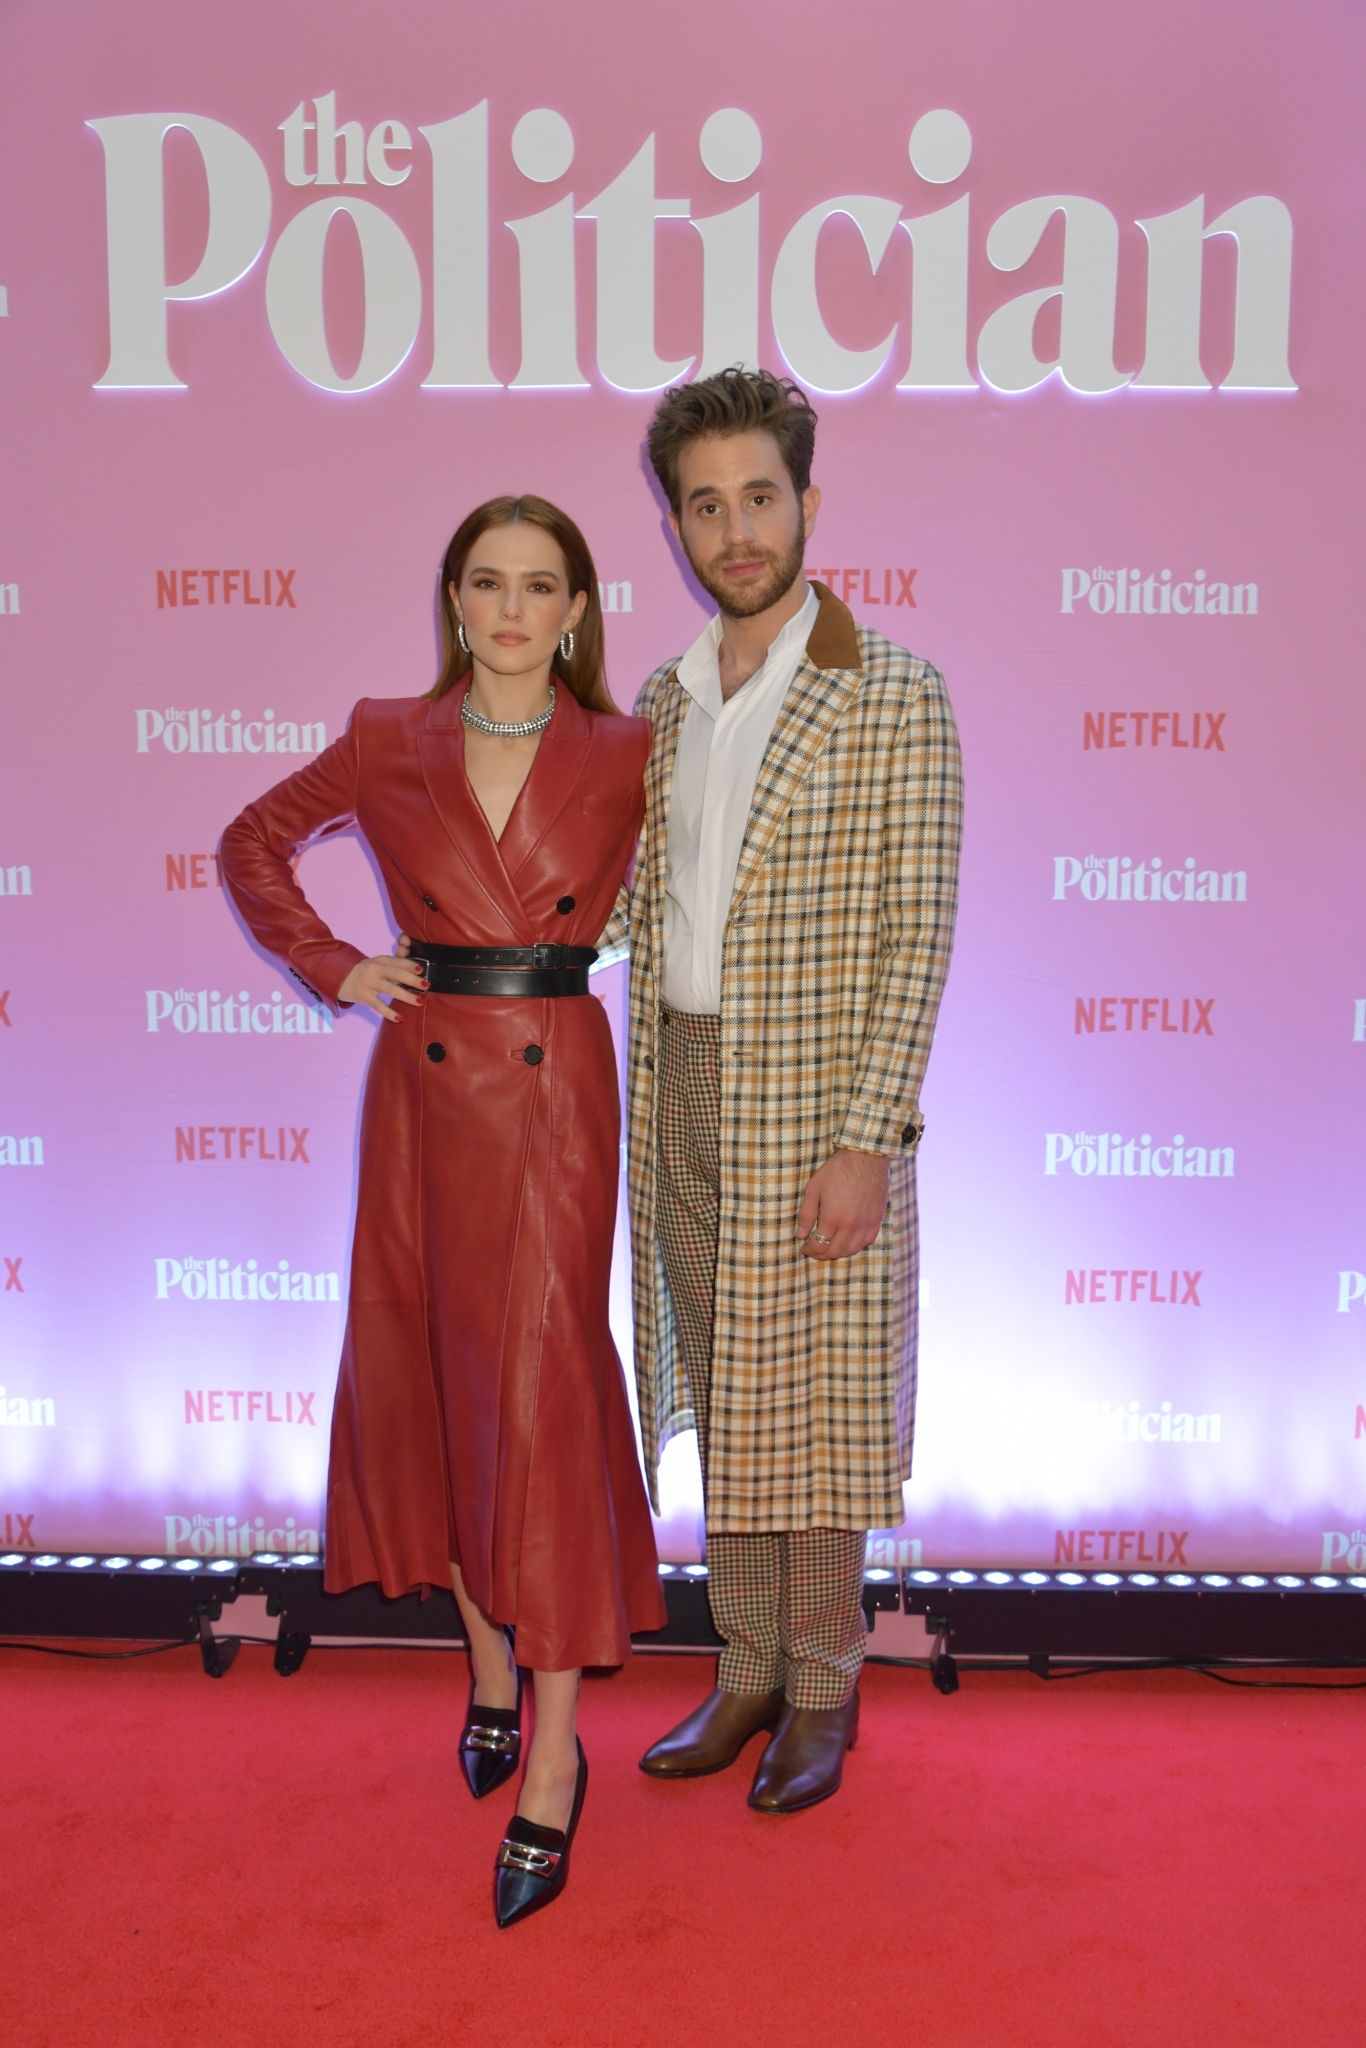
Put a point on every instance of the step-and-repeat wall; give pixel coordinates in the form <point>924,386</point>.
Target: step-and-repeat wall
<point>1077,292</point>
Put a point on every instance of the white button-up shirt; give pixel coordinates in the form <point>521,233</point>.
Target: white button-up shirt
<point>720,750</point>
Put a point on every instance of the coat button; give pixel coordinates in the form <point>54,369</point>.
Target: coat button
<point>565,905</point>
<point>436,1053</point>
<point>909,1134</point>
<point>648,1060</point>
<point>533,1055</point>
<point>429,903</point>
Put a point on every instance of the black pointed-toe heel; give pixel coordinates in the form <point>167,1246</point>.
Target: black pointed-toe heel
<point>532,1866</point>
<point>491,1744</point>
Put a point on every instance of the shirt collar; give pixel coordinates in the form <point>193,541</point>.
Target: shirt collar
<point>699,671</point>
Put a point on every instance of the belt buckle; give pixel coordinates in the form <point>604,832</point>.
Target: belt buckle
<point>545,956</point>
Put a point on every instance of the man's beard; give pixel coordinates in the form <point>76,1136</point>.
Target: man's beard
<point>745,600</point>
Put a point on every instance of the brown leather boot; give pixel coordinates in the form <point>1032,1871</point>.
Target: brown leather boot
<point>712,1736</point>
<point>804,1763</point>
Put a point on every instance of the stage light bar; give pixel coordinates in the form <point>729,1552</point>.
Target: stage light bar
<point>1287,1582</point>
<point>85,1561</point>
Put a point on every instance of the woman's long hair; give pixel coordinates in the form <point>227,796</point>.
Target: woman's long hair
<point>585,673</point>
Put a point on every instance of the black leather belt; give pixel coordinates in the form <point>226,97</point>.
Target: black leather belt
<point>505,970</point>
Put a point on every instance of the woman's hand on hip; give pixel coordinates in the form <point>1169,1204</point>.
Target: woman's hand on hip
<point>382,982</point>
<point>843,1207</point>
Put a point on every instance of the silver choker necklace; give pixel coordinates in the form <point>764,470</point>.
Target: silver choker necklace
<point>509,729</point>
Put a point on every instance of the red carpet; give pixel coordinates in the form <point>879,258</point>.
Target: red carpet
<point>1134,1859</point>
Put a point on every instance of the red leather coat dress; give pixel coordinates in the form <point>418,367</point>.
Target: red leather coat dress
<point>481,1412</point>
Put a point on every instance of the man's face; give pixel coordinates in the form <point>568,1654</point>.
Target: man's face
<point>740,523</point>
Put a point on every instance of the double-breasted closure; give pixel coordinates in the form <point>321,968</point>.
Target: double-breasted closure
<point>481,1411</point>
<point>835,952</point>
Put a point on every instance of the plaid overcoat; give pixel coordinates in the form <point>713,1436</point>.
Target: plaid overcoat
<point>835,953</point>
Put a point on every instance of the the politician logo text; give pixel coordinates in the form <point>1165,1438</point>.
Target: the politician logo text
<point>20,1411</point>
<point>207,1010</point>
<point>1117,878</point>
<point>1343,1551</point>
<point>249,1404</point>
<point>242,1141</point>
<point>211,1279</point>
<point>1175,1288</point>
<point>919,241</point>
<point>1351,1291</point>
<point>1201,730</point>
<point>227,1536</point>
<point>16,881</point>
<point>1130,592</point>
<point>1108,1154</point>
<point>21,1151</point>
<point>189,587</point>
<point>1127,1422</point>
<point>199,731</point>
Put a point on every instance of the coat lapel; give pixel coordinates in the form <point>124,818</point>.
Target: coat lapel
<point>441,750</point>
<point>561,759</point>
<point>669,709</point>
<point>830,672</point>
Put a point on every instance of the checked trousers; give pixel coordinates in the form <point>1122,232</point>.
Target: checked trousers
<point>787,1604</point>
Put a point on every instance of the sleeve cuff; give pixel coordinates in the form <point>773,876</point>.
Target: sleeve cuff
<point>322,970</point>
<point>872,1127</point>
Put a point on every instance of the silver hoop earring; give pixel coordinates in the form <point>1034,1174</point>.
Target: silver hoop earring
<point>566,647</point>
<point>460,636</point>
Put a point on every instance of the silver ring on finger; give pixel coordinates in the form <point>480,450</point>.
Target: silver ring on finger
<point>817,1237</point>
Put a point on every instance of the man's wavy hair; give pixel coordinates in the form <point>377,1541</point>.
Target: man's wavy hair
<point>734,401</point>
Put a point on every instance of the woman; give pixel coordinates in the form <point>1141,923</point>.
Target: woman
<point>481,1425</point>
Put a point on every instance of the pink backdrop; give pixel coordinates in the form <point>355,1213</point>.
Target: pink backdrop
<point>383,265</point>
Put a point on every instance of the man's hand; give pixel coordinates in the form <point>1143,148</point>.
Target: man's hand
<point>381,982</point>
<point>843,1207</point>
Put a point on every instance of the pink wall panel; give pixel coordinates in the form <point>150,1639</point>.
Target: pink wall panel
<point>297,338</point>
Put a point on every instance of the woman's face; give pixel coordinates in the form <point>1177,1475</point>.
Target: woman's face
<point>515,600</point>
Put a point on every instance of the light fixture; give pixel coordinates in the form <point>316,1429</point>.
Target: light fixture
<point>999,1578</point>
<point>151,1564</point>
<point>1106,1579</point>
<point>1142,1579</point>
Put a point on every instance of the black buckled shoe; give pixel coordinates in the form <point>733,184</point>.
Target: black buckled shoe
<point>491,1744</point>
<point>532,1866</point>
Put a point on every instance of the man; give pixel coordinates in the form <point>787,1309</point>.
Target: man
<point>791,921</point>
